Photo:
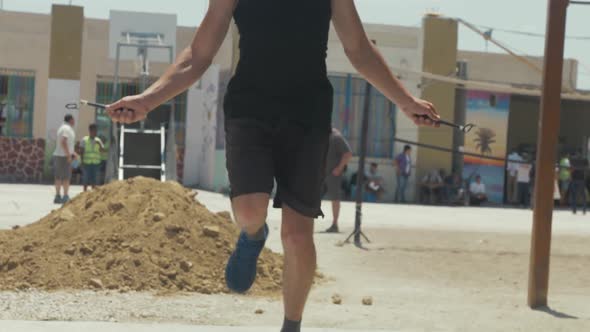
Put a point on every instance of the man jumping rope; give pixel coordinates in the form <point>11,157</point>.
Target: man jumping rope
<point>278,121</point>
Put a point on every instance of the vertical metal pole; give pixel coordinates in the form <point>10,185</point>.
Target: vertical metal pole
<point>360,175</point>
<point>163,153</point>
<point>121,157</point>
<point>546,153</point>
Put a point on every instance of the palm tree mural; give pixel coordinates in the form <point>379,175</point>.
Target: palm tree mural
<point>484,140</point>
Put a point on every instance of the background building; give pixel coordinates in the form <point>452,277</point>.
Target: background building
<point>46,59</point>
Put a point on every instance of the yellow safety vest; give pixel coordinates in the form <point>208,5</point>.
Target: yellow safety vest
<point>104,156</point>
<point>91,151</point>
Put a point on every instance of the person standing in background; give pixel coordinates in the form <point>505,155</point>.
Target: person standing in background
<point>564,178</point>
<point>403,164</point>
<point>512,184</point>
<point>579,174</point>
<point>62,159</point>
<point>91,148</point>
<point>524,184</point>
<point>339,154</point>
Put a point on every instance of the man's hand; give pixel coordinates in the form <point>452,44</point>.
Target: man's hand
<point>128,110</point>
<point>337,171</point>
<point>422,112</point>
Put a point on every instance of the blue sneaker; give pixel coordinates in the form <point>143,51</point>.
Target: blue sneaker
<point>240,271</point>
<point>65,199</point>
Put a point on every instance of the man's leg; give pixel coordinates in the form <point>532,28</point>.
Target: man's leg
<point>66,185</point>
<point>404,184</point>
<point>574,197</point>
<point>250,212</point>
<point>336,211</point>
<point>58,184</point>
<point>300,262</point>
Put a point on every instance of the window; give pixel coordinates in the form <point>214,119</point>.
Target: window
<point>349,98</point>
<point>17,96</point>
<point>104,95</point>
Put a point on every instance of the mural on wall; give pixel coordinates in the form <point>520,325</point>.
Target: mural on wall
<point>201,131</point>
<point>490,112</point>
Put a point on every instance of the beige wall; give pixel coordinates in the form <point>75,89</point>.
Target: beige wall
<point>26,46</point>
<point>65,55</point>
<point>504,68</point>
<point>439,57</point>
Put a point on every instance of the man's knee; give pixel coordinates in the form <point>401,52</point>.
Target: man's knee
<point>251,211</point>
<point>297,238</point>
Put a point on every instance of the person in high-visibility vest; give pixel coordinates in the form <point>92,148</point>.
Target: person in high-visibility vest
<point>91,147</point>
<point>104,157</point>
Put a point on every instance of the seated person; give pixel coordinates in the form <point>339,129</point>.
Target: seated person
<point>353,180</point>
<point>374,187</point>
<point>431,187</point>
<point>477,192</point>
<point>453,189</point>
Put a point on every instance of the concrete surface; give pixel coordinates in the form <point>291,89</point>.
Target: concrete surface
<point>23,204</point>
<point>21,326</point>
<point>428,269</point>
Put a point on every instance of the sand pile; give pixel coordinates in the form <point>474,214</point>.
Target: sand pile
<point>138,234</point>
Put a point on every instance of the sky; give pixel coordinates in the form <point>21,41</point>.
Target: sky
<point>520,15</point>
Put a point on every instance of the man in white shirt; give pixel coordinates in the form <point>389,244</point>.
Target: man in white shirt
<point>62,159</point>
<point>524,184</point>
<point>512,169</point>
<point>477,192</point>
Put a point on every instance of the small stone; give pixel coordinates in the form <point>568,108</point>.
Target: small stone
<point>125,245</point>
<point>116,207</point>
<point>225,215</point>
<point>136,262</point>
<point>67,215</point>
<point>86,250</point>
<point>135,248</point>
<point>186,266</point>
<point>28,247</point>
<point>158,216</point>
<point>171,274</point>
<point>211,231</point>
<point>336,299</point>
<point>15,227</point>
<point>96,283</point>
<point>367,300</point>
<point>173,230</point>
<point>259,311</point>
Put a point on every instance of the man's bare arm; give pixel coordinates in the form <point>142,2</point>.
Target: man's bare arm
<point>369,62</point>
<point>190,65</point>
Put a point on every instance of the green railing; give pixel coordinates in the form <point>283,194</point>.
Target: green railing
<point>17,103</point>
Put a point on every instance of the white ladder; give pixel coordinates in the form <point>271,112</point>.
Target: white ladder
<point>123,166</point>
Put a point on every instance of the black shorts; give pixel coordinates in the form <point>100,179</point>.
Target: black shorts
<point>258,153</point>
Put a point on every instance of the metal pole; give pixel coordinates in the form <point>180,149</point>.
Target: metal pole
<point>546,153</point>
<point>360,175</point>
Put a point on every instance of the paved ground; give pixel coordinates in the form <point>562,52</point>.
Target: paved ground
<point>22,204</point>
<point>20,326</point>
<point>428,269</point>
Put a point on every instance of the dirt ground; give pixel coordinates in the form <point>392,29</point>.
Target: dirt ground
<point>460,275</point>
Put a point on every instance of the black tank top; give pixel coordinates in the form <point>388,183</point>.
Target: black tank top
<point>282,72</point>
